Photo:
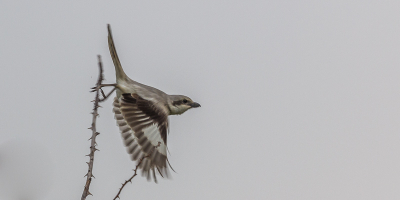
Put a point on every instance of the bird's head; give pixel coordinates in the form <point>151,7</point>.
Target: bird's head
<point>180,104</point>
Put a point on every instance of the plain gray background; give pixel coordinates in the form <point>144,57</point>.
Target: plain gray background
<point>300,99</point>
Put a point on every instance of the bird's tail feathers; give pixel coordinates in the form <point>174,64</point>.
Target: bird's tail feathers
<point>119,72</point>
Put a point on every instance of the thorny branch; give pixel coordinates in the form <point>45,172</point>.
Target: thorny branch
<point>135,170</point>
<point>98,90</point>
<point>93,143</point>
<point>130,179</point>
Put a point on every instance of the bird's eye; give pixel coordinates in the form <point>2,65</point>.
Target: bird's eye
<point>185,101</point>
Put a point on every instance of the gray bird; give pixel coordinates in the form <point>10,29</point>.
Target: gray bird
<point>142,113</point>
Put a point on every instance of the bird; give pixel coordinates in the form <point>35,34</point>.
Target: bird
<point>141,113</point>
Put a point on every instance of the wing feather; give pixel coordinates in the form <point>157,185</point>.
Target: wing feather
<point>144,128</point>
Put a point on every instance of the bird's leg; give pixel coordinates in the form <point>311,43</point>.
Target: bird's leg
<point>103,85</point>
<point>106,96</point>
<point>102,92</point>
<point>107,85</point>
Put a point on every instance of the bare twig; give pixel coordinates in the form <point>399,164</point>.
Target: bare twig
<point>130,179</point>
<point>93,144</point>
<point>135,170</point>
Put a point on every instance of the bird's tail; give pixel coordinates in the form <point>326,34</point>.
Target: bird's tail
<point>119,72</point>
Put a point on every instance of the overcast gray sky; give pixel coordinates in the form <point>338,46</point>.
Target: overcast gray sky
<point>300,99</point>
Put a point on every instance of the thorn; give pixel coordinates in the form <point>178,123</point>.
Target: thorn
<point>97,133</point>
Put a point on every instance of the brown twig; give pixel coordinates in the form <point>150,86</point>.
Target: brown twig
<point>130,179</point>
<point>93,143</point>
<point>135,170</point>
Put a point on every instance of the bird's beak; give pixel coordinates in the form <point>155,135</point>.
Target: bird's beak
<point>194,105</point>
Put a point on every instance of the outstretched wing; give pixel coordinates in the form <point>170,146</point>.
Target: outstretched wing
<point>144,127</point>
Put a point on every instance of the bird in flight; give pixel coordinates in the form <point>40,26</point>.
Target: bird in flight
<point>142,113</point>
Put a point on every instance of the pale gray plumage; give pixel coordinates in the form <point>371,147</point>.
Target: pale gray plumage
<point>142,113</point>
